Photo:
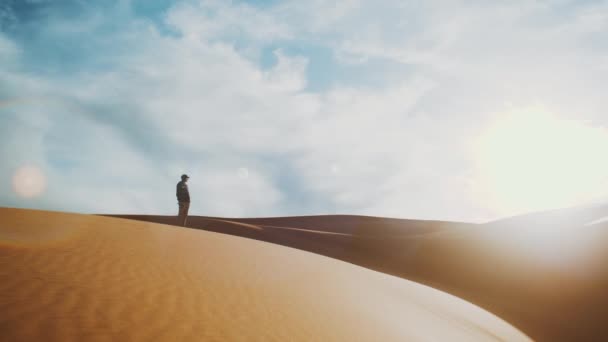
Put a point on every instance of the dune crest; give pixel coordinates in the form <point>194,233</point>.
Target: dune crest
<point>80,277</point>
<point>542,272</point>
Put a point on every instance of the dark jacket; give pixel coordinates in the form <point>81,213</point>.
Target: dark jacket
<point>182,192</point>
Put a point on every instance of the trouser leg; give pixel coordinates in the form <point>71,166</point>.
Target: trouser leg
<point>180,214</point>
<point>186,209</point>
<point>183,212</point>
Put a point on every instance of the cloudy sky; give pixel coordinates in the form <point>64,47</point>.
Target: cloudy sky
<point>454,110</point>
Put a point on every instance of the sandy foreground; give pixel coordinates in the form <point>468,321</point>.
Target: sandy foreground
<point>544,273</point>
<point>70,277</point>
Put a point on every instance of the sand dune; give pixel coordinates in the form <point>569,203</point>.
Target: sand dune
<point>533,283</point>
<point>68,277</point>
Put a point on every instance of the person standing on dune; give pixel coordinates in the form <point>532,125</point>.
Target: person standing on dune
<point>183,199</point>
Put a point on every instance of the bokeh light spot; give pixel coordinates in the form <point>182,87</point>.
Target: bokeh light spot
<point>29,182</point>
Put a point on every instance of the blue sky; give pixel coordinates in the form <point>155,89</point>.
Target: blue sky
<point>295,108</point>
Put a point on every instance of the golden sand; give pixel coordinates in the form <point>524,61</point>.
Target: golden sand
<point>69,277</point>
<point>543,273</point>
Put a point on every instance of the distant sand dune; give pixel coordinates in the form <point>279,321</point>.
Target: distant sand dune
<point>480,263</point>
<point>68,277</point>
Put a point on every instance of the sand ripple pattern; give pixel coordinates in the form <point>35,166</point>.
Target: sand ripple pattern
<point>68,277</point>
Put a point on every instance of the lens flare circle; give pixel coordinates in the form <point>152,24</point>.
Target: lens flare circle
<point>29,182</point>
<point>243,173</point>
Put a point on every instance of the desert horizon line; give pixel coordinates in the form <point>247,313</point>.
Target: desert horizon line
<point>589,206</point>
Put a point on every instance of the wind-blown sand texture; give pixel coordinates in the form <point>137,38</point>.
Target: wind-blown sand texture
<point>531,282</point>
<point>69,277</point>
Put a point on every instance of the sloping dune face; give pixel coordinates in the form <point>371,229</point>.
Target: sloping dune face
<point>544,273</point>
<point>76,277</point>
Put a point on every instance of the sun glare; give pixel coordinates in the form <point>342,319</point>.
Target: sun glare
<point>531,160</point>
<point>29,182</point>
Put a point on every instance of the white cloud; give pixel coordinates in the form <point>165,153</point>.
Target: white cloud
<point>401,150</point>
<point>216,19</point>
<point>203,97</point>
<point>9,51</point>
<point>289,73</point>
<point>223,191</point>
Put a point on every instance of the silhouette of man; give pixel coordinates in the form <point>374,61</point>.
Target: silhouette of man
<point>183,199</point>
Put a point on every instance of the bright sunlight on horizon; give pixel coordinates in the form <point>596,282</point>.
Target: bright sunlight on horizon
<point>530,159</point>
